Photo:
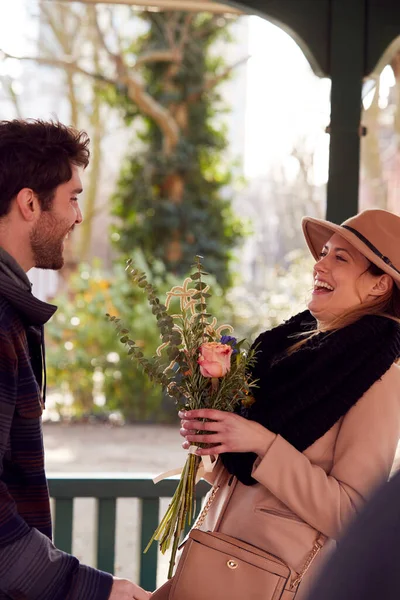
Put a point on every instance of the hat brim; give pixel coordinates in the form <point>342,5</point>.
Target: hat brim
<point>317,232</point>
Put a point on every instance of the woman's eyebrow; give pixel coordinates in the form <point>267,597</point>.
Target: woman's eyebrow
<point>336,248</point>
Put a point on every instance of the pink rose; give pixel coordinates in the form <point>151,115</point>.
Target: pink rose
<point>214,359</point>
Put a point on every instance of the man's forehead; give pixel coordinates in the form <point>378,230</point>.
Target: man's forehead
<point>75,183</point>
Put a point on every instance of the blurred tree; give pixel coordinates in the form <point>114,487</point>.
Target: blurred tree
<point>59,23</point>
<point>170,198</point>
<point>380,147</point>
<point>371,151</point>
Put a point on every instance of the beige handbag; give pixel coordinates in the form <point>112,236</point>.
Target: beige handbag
<point>219,567</point>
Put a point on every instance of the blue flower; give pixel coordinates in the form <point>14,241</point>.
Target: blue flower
<point>231,341</point>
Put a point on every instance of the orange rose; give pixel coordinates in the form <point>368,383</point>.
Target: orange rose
<point>214,359</point>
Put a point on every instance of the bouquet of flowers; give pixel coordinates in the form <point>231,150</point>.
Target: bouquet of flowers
<point>203,369</point>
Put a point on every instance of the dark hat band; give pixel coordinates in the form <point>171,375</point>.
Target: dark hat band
<point>371,247</point>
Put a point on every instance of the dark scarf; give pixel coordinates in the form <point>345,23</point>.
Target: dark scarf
<point>302,395</point>
<point>15,287</point>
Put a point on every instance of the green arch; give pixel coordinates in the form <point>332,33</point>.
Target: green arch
<point>306,21</point>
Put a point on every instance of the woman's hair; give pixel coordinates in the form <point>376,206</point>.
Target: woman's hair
<point>387,305</point>
<point>38,155</point>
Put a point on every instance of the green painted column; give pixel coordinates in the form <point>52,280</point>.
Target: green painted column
<point>347,56</point>
<point>106,517</point>
<point>64,514</point>
<point>148,561</point>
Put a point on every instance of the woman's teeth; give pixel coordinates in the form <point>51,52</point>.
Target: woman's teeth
<point>323,284</point>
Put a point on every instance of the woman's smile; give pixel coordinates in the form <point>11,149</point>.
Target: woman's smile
<point>322,287</point>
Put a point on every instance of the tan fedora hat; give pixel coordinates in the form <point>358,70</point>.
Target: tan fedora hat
<point>373,232</point>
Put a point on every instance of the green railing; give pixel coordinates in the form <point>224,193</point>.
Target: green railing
<point>107,489</point>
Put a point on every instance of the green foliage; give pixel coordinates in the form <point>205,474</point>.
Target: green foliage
<point>83,356</point>
<point>171,205</point>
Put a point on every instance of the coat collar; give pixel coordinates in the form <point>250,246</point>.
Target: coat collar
<point>16,288</point>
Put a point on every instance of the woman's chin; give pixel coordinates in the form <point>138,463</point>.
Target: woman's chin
<point>316,308</point>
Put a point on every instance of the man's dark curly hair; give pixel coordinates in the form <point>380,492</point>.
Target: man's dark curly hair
<point>38,155</point>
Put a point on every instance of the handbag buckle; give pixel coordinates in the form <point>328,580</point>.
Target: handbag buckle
<point>232,564</point>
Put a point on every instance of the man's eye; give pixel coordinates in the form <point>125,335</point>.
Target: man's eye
<point>74,199</point>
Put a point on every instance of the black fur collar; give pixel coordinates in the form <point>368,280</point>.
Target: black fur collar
<point>302,395</point>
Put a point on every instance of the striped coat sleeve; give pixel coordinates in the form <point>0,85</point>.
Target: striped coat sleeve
<point>30,566</point>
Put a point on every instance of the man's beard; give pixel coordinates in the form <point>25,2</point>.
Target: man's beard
<point>46,240</point>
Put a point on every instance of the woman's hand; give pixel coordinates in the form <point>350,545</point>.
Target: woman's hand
<point>228,432</point>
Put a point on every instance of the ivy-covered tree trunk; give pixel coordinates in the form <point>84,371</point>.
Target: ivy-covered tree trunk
<point>170,197</point>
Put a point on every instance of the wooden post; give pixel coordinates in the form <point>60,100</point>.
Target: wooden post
<point>347,53</point>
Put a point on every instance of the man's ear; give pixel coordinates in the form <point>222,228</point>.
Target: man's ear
<point>382,285</point>
<point>28,204</point>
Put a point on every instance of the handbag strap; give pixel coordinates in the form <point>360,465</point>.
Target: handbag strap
<point>318,544</point>
<point>202,516</point>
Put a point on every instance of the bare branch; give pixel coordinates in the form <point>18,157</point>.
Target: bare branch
<point>62,21</point>
<point>99,32</point>
<point>174,56</point>
<point>155,110</point>
<point>135,90</point>
<point>171,27</point>
<point>114,29</point>
<point>64,63</point>
<point>212,82</point>
<point>7,83</point>
<point>185,31</point>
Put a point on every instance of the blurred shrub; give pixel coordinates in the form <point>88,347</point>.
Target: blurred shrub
<point>85,362</point>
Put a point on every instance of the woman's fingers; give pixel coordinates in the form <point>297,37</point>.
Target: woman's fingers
<point>201,438</point>
<point>214,449</point>
<point>203,413</point>
<point>193,425</point>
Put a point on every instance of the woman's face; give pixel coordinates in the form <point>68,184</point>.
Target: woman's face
<point>341,280</point>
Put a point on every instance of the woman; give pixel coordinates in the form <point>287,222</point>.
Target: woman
<point>325,423</point>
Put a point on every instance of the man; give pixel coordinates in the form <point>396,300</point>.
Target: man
<point>40,165</point>
<point>366,563</point>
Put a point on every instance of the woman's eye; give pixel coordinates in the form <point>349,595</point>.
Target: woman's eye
<point>340,258</point>
<point>74,199</point>
<point>322,254</point>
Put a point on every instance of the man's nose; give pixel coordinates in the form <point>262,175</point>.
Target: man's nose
<point>79,217</point>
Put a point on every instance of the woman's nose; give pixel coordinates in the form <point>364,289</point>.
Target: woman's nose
<point>322,265</point>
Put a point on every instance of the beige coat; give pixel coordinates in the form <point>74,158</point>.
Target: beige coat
<point>319,490</point>
<point>300,494</point>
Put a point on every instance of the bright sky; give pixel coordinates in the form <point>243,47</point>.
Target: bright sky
<point>285,100</point>
<point>15,28</point>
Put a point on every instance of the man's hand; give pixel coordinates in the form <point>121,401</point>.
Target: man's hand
<point>123,589</point>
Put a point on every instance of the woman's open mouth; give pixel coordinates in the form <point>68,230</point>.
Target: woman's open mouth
<point>322,287</point>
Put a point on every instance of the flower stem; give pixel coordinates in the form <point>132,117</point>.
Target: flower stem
<point>180,510</point>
